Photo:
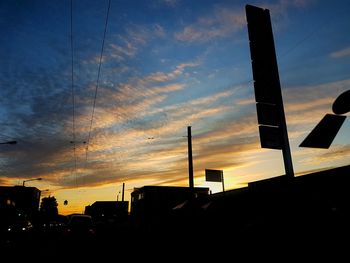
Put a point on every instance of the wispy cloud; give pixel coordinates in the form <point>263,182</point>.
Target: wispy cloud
<point>308,104</point>
<point>169,3</point>
<point>132,100</point>
<point>121,53</point>
<point>159,31</point>
<point>225,21</point>
<point>282,6</point>
<point>163,76</point>
<point>342,53</point>
<point>221,23</point>
<point>128,144</point>
<point>127,44</point>
<point>336,153</point>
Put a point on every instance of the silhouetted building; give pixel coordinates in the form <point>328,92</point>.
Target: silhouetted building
<point>108,209</point>
<point>101,210</point>
<point>153,205</point>
<point>21,199</point>
<point>312,205</point>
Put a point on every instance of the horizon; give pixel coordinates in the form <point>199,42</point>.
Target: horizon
<point>165,65</point>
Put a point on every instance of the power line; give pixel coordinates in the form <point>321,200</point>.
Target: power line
<point>72,85</point>
<point>97,82</point>
<point>317,28</point>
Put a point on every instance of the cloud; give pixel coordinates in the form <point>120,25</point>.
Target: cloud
<point>121,122</point>
<point>121,53</point>
<point>166,3</point>
<point>280,9</point>
<point>127,103</point>
<point>162,76</point>
<point>336,153</point>
<point>127,150</point>
<point>306,105</point>
<point>40,159</point>
<point>167,88</point>
<point>127,44</point>
<point>225,21</point>
<point>345,52</point>
<point>171,2</point>
<point>159,31</point>
<point>221,23</point>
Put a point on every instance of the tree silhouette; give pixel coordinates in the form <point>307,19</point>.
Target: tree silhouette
<point>48,208</point>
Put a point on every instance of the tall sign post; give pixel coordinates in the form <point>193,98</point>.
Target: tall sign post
<point>190,161</point>
<point>267,88</point>
<point>123,192</point>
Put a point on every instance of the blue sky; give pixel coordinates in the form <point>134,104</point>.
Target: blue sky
<point>166,65</point>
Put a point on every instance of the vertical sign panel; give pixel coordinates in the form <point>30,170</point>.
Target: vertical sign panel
<point>267,88</point>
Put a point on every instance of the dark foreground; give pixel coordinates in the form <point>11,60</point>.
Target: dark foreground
<point>320,239</point>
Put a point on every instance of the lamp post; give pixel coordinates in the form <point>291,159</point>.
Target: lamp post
<point>9,142</point>
<point>35,179</point>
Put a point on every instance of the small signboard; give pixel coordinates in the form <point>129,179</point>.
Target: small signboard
<point>324,133</point>
<point>342,104</point>
<point>213,175</point>
<point>267,114</point>
<point>270,137</point>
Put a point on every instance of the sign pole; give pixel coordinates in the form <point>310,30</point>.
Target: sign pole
<point>267,87</point>
<point>222,180</point>
<point>190,161</point>
<point>123,192</point>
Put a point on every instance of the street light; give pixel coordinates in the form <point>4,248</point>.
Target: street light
<point>9,142</point>
<point>35,179</point>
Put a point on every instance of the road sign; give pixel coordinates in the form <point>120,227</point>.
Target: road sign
<point>267,86</point>
<point>213,175</point>
<point>266,79</point>
<point>324,133</point>
<point>342,104</point>
<point>270,137</point>
<point>267,114</point>
<point>262,50</point>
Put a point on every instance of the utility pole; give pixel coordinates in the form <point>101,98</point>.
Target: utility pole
<point>190,161</point>
<point>123,192</point>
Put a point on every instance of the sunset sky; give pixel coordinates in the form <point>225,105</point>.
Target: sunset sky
<point>166,65</point>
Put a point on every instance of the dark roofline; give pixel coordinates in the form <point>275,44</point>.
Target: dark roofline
<point>281,179</point>
<point>231,192</point>
<point>108,202</point>
<point>165,186</point>
<point>309,176</point>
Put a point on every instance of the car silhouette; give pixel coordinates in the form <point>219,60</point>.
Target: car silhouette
<point>80,226</point>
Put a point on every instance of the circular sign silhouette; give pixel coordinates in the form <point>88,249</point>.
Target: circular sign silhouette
<point>342,104</point>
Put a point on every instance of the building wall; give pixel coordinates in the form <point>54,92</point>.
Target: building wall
<point>154,205</point>
<point>23,199</point>
<point>108,209</point>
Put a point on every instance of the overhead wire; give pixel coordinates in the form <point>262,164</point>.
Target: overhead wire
<point>316,29</point>
<point>97,84</point>
<point>73,89</point>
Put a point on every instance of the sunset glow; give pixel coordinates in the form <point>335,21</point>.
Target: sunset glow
<point>165,65</point>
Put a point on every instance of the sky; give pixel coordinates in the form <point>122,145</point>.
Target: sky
<point>100,95</point>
